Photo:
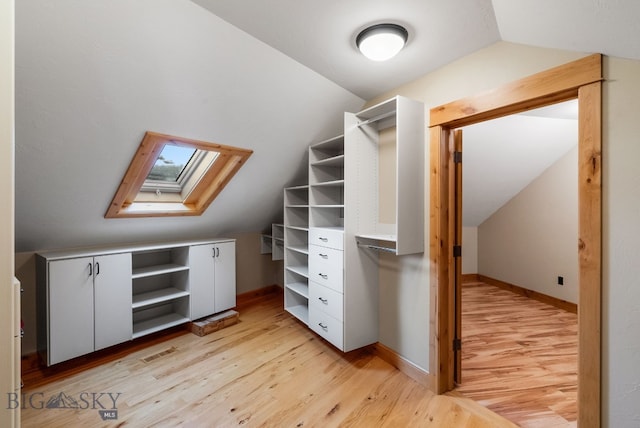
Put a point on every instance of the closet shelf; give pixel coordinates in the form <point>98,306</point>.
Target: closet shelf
<point>300,270</point>
<point>299,287</point>
<point>331,161</point>
<point>299,249</point>
<point>157,324</point>
<point>157,270</point>
<point>301,312</point>
<point>157,296</point>
<point>332,183</point>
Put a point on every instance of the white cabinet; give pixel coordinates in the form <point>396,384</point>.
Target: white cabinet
<point>112,299</point>
<point>89,305</point>
<point>212,278</point>
<point>91,299</point>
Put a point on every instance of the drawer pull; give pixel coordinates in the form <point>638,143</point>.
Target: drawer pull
<point>324,327</point>
<point>323,276</point>
<point>323,239</point>
<point>325,301</point>
<point>324,256</point>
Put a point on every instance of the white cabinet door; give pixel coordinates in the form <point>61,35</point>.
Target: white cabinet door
<point>225,271</point>
<point>201,280</point>
<point>112,288</point>
<point>70,309</point>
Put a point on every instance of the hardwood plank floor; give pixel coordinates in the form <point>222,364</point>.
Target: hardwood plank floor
<point>519,357</point>
<point>268,370</point>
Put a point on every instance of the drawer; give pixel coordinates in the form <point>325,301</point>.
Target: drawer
<point>327,274</point>
<point>326,326</point>
<point>331,238</point>
<point>326,300</point>
<point>326,256</point>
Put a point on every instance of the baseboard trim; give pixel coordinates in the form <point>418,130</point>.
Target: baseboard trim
<point>550,300</point>
<point>254,296</point>
<point>470,277</point>
<point>405,366</point>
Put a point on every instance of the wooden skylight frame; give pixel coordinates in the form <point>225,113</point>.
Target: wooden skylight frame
<point>198,197</point>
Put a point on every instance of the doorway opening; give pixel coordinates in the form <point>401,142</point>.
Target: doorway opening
<point>579,79</point>
<point>519,232</point>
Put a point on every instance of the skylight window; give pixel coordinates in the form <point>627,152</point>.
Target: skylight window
<point>171,176</point>
<point>171,163</point>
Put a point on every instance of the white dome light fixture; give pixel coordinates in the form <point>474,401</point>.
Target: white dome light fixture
<point>381,42</point>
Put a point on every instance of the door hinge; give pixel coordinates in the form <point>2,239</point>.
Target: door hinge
<point>457,344</point>
<point>457,157</point>
<point>457,251</point>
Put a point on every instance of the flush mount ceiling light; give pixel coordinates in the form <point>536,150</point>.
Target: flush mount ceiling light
<point>381,42</point>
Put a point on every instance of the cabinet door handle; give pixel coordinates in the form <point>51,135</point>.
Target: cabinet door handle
<point>97,268</point>
<point>323,276</point>
<point>217,251</point>
<point>325,301</point>
<point>324,256</point>
<point>324,327</point>
<point>90,269</point>
<point>323,239</point>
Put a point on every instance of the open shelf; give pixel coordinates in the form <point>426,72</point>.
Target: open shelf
<point>300,270</point>
<point>299,249</point>
<point>299,311</point>
<point>157,296</point>
<point>153,325</point>
<point>299,287</point>
<point>157,270</point>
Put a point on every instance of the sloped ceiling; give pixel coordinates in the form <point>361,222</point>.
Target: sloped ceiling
<point>93,76</point>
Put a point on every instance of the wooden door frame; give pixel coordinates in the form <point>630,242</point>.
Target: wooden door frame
<point>581,79</point>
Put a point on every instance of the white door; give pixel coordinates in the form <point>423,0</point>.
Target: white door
<point>201,280</point>
<point>112,303</point>
<point>70,308</point>
<point>225,289</point>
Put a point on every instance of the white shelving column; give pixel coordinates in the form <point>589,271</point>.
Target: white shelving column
<point>396,128</point>
<point>296,252</point>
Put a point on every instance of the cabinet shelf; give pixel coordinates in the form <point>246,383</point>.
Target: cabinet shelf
<point>332,183</point>
<point>157,296</point>
<point>299,249</point>
<point>299,287</point>
<point>153,325</point>
<point>157,270</point>
<point>301,228</point>
<point>300,270</point>
<point>300,311</point>
<point>332,161</point>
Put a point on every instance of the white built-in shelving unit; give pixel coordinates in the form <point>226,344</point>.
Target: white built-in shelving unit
<point>296,251</point>
<point>91,299</point>
<point>335,228</point>
<point>273,242</point>
<point>395,127</point>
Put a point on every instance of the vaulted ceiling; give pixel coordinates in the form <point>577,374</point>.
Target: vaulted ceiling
<point>273,77</point>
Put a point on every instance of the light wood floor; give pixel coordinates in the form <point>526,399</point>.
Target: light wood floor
<point>268,370</point>
<point>519,357</point>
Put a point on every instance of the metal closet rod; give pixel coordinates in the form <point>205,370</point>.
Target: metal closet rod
<point>377,247</point>
<point>377,118</point>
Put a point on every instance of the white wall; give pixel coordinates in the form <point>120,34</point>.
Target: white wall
<point>533,238</point>
<point>469,250</point>
<point>621,235</point>
<point>7,416</point>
